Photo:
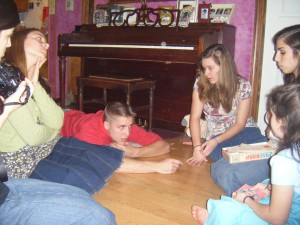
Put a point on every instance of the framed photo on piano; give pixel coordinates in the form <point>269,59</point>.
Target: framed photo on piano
<point>188,10</point>
<point>221,13</point>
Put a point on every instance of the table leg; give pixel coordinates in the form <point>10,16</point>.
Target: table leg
<point>105,96</point>
<point>128,98</point>
<point>80,97</point>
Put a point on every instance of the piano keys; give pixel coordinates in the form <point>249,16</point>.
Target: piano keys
<point>165,54</point>
<point>162,46</point>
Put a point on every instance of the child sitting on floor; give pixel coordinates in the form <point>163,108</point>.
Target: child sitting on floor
<point>282,206</point>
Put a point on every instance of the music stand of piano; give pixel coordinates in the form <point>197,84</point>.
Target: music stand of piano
<point>128,85</point>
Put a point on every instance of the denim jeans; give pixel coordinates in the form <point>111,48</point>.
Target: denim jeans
<point>248,135</point>
<point>36,202</point>
<point>80,164</point>
<point>232,176</point>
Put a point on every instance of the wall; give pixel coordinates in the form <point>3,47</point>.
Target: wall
<point>62,21</point>
<point>33,17</point>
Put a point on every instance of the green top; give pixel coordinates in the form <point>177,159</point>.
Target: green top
<point>35,123</point>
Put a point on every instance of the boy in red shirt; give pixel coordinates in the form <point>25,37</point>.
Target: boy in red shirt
<point>114,126</point>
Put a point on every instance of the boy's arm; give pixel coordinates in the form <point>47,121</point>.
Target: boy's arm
<point>156,148</point>
<point>166,166</point>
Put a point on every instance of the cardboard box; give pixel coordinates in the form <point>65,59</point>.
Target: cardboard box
<point>248,152</point>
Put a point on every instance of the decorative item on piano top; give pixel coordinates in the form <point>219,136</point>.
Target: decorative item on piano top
<point>129,15</point>
<point>221,13</point>
<point>204,12</point>
<point>101,16</point>
<point>165,15</point>
<point>144,13</point>
<point>116,9</point>
<point>143,16</point>
<point>188,11</point>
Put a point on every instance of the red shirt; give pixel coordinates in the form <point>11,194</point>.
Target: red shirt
<point>90,128</point>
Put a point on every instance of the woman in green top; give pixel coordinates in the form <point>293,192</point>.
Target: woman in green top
<point>29,139</point>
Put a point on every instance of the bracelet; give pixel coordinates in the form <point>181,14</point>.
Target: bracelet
<point>248,196</point>
<point>196,146</point>
<point>216,140</point>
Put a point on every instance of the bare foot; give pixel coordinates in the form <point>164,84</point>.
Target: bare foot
<point>199,214</point>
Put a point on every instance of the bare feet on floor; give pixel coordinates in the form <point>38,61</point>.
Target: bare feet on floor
<point>199,214</point>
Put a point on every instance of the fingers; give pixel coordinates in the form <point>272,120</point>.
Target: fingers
<point>169,166</point>
<point>33,72</point>
<point>40,62</point>
<point>176,161</point>
<point>196,161</point>
<point>16,96</point>
<point>207,148</point>
<point>30,85</point>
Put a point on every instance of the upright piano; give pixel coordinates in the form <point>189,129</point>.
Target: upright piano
<point>165,54</point>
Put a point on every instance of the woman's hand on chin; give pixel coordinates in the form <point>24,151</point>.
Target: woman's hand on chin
<point>34,71</point>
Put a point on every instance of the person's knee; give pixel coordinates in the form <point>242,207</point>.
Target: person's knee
<point>253,135</point>
<point>223,176</point>
<point>99,215</point>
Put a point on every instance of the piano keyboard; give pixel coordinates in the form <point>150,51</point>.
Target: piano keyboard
<point>190,48</point>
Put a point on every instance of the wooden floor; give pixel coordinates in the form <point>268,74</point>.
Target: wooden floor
<point>156,199</point>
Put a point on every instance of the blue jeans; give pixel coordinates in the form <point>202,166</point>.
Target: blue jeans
<point>80,164</point>
<point>248,135</point>
<point>230,177</point>
<point>36,202</point>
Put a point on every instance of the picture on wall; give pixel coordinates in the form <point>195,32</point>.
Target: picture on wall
<point>188,10</point>
<point>221,13</point>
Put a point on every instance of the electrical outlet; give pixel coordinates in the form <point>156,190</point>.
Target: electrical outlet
<point>70,5</point>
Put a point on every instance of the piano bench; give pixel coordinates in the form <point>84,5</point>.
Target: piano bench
<point>128,85</point>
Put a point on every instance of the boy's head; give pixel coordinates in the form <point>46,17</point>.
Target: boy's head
<point>9,18</point>
<point>118,119</point>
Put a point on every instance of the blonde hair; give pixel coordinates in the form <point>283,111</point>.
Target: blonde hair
<point>117,109</point>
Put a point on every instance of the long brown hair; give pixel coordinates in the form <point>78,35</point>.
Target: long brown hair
<point>291,37</point>
<point>16,53</point>
<point>284,101</point>
<point>228,82</point>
